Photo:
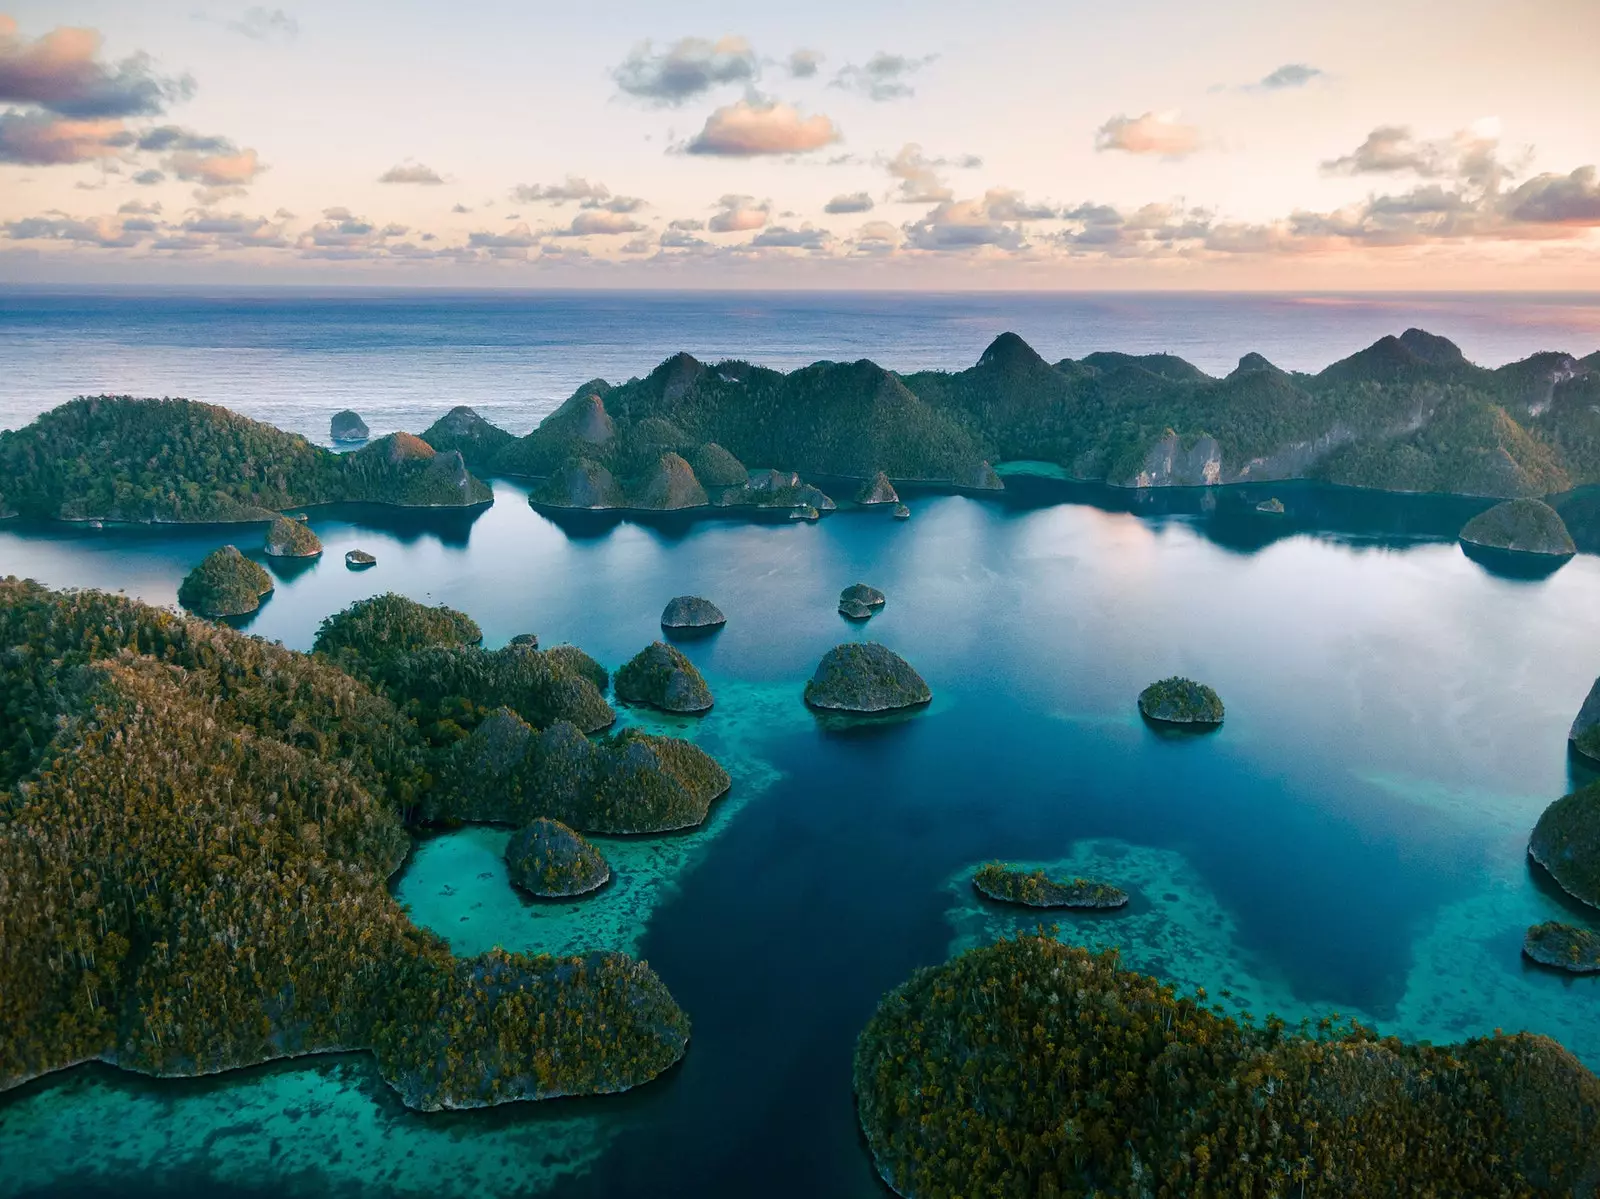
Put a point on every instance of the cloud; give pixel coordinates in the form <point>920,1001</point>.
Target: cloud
<point>150,177</point>
<point>514,243</point>
<point>854,202</point>
<point>687,68</point>
<point>751,128</point>
<point>138,208</point>
<point>61,71</point>
<point>1290,75</point>
<point>688,224</point>
<point>175,137</point>
<point>920,181</point>
<point>806,238</point>
<point>600,221</point>
<point>411,172</point>
<point>588,195</point>
<point>738,215</point>
<point>1002,204</point>
<point>962,226</point>
<point>875,238</point>
<point>1471,156</point>
<point>102,232</point>
<point>803,64</point>
<point>228,169</point>
<point>882,77</point>
<point>1557,199</point>
<point>1152,133</point>
<point>263,24</point>
<point>44,139</point>
<point>459,208</point>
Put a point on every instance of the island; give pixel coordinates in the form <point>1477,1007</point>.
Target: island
<point>860,593</point>
<point>1180,701</point>
<point>1521,528</point>
<point>549,860</point>
<point>865,677</point>
<point>877,490</point>
<point>1030,1067</point>
<point>1272,507</point>
<point>1584,736</point>
<point>690,612</point>
<point>291,539</point>
<point>661,676</point>
<point>226,583</point>
<point>1563,947</point>
<point>1566,842</point>
<point>854,609</point>
<point>359,559</point>
<point>902,512</point>
<point>348,426</point>
<point>1034,889</point>
<point>231,812</point>
<point>121,459</point>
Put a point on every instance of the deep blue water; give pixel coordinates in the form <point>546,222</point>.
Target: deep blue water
<point>402,359</point>
<point>1352,839</point>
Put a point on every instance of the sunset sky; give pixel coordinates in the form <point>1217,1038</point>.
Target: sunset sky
<point>1370,144</point>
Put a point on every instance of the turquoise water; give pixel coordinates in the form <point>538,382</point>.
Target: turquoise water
<point>1351,840</point>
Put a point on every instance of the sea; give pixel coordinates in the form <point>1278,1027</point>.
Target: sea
<point>1351,841</point>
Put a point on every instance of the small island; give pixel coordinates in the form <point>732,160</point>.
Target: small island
<point>1181,701</point>
<point>1272,507</point>
<point>548,859</point>
<point>860,593</point>
<point>348,426</point>
<point>359,559</point>
<point>687,612</point>
<point>1522,528</point>
<point>854,609</point>
<point>661,676</point>
<point>1035,889</point>
<point>1563,947</point>
<point>865,677</point>
<point>1566,842</point>
<point>901,512</point>
<point>291,539</point>
<point>1584,736</point>
<point>877,490</point>
<point>226,583</point>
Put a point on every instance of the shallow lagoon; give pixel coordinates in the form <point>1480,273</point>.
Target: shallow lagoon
<point>1350,841</point>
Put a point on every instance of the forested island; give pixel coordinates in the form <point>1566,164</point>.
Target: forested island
<point>1033,1068</point>
<point>197,826</point>
<point>1408,413</point>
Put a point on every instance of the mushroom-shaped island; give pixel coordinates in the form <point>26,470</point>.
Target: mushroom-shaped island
<point>1034,889</point>
<point>359,559</point>
<point>548,859</point>
<point>348,426</point>
<point>877,490</point>
<point>660,675</point>
<point>692,612</point>
<point>1584,736</point>
<point>291,539</point>
<point>865,677</point>
<point>1526,528</point>
<point>226,583</point>
<point>1566,842</point>
<point>1181,701</point>
<point>1563,946</point>
<point>901,512</point>
<point>860,593</point>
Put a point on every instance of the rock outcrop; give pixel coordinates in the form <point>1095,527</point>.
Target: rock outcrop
<point>1584,736</point>
<point>348,426</point>
<point>860,593</point>
<point>865,677</point>
<point>1181,701</point>
<point>877,490</point>
<point>548,859</point>
<point>1523,527</point>
<point>594,424</point>
<point>661,676</point>
<point>226,583</point>
<point>291,539</point>
<point>691,612</point>
<point>359,559</point>
<point>901,512</point>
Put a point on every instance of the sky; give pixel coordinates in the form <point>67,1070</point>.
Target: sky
<point>1064,144</point>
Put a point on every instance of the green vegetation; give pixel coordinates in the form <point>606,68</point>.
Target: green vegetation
<point>1584,736</point>
<point>507,772</point>
<point>125,459</point>
<point>1564,946</point>
<point>548,859</point>
<point>715,467</point>
<point>1522,526</point>
<point>1030,1068</point>
<point>1180,701</point>
<point>660,675</point>
<point>865,677</point>
<point>1566,842</point>
<point>691,612</point>
<point>291,539</point>
<point>195,832</point>
<point>1036,890</point>
<point>860,593</point>
<point>475,439</point>
<point>877,490</point>
<point>384,626</point>
<point>226,583</point>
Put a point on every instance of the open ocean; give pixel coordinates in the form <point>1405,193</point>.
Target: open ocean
<point>293,358</point>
